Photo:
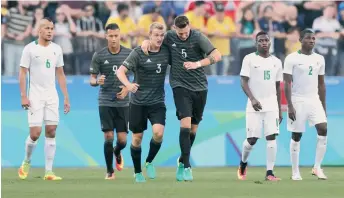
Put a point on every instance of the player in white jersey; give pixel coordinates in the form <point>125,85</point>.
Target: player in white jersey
<point>41,60</point>
<point>261,74</point>
<point>305,70</point>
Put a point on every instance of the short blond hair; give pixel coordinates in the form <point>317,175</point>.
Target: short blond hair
<point>156,25</point>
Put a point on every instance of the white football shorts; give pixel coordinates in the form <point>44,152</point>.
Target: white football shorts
<point>44,108</point>
<point>256,121</point>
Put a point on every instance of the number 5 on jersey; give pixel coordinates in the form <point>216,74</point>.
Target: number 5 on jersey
<point>266,74</point>
<point>184,54</point>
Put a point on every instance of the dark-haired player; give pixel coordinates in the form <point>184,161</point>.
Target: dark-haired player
<point>261,74</point>
<point>190,52</point>
<point>113,97</point>
<point>305,70</point>
<point>148,99</point>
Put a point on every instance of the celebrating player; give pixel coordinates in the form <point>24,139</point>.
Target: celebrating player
<point>261,74</point>
<point>305,70</point>
<point>113,97</point>
<point>148,99</point>
<point>42,59</point>
<point>189,83</point>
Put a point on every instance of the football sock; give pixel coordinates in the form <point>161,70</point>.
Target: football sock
<point>154,148</point>
<point>136,157</point>
<point>192,139</point>
<point>246,149</point>
<point>49,150</point>
<point>185,145</point>
<point>119,146</point>
<point>29,147</point>
<point>320,151</point>
<point>243,166</point>
<point>271,151</point>
<point>108,153</point>
<point>294,155</point>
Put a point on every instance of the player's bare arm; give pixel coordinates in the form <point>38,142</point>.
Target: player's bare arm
<point>214,57</point>
<point>61,78</point>
<point>322,90</point>
<point>132,87</point>
<point>288,78</point>
<point>22,84</point>
<point>278,92</point>
<point>244,84</point>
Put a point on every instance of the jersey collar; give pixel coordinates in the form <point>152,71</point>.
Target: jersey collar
<point>299,52</point>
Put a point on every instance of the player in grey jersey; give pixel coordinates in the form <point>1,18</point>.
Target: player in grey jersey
<point>148,99</point>
<point>191,51</point>
<point>113,97</point>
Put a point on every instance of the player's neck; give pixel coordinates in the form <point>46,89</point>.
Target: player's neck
<point>114,50</point>
<point>263,54</point>
<point>306,51</point>
<point>154,48</point>
<point>43,42</point>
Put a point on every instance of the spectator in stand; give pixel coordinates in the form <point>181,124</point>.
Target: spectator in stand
<point>145,22</point>
<point>4,15</point>
<point>292,20</point>
<point>340,56</point>
<point>18,26</point>
<point>125,23</point>
<point>327,30</point>
<point>197,17</point>
<point>39,14</point>
<point>312,10</point>
<point>75,8</point>
<point>220,29</point>
<point>166,9</point>
<point>65,29</point>
<point>209,9</point>
<point>292,42</point>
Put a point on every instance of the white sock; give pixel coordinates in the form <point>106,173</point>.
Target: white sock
<point>320,151</point>
<point>49,150</point>
<point>246,149</point>
<point>271,151</point>
<point>294,155</point>
<point>29,147</point>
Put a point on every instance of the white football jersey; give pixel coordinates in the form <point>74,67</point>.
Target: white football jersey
<point>41,62</point>
<point>305,70</point>
<point>263,74</point>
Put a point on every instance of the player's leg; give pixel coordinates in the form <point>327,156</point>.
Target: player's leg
<point>183,103</point>
<point>106,115</point>
<point>318,118</point>
<point>121,124</point>
<point>253,133</point>
<point>271,130</point>
<point>157,117</point>
<point>137,124</point>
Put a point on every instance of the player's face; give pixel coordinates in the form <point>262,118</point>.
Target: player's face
<point>183,33</point>
<point>113,37</point>
<point>157,37</point>
<point>263,43</point>
<point>308,40</point>
<point>47,31</point>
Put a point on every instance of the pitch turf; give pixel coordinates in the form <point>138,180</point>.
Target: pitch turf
<point>208,183</point>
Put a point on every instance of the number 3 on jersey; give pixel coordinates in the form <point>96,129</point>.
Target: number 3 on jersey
<point>159,68</point>
<point>184,54</point>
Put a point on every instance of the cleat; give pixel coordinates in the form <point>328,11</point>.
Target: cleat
<point>241,173</point>
<point>180,171</point>
<point>139,178</point>
<point>51,176</point>
<point>119,162</point>
<point>272,178</point>
<point>23,170</point>
<point>110,176</point>
<point>296,177</point>
<point>319,173</point>
<point>188,174</point>
<point>150,170</point>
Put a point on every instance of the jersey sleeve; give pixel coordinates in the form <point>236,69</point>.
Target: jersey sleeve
<point>60,62</point>
<point>245,68</point>
<point>132,60</point>
<point>288,65</point>
<point>279,76</point>
<point>206,46</point>
<point>95,64</point>
<point>322,66</point>
<point>25,60</point>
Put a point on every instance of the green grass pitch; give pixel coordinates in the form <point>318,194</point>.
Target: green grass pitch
<point>208,183</point>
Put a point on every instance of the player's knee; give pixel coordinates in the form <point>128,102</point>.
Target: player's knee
<point>108,135</point>
<point>50,131</point>
<point>122,137</point>
<point>137,139</point>
<point>158,135</point>
<point>252,141</point>
<point>185,122</point>
<point>296,136</point>
<point>322,129</point>
<point>35,132</point>
<point>270,137</point>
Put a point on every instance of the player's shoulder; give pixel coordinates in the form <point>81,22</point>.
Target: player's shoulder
<point>30,45</point>
<point>276,59</point>
<point>56,46</point>
<point>292,56</point>
<point>250,56</point>
<point>101,51</point>
<point>318,56</point>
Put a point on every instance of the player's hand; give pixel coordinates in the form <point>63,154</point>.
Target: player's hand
<point>20,37</point>
<point>291,112</point>
<point>280,117</point>
<point>133,87</point>
<point>66,106</point>
<point>145,47</point>
<point>25,103</point>
<point>256,105</point>
<point>124,92</point>
<point>101,80</point>
<point>190,65</point>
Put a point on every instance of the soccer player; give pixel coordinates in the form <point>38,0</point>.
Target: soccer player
<point>261,74</point>
<point>113,97</point>
<point>188,48</point>
<point>148,99</point>
<point>305,70</point>
<point>41,60</point>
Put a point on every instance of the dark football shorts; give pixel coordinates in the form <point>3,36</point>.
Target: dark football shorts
<point>114,118</point>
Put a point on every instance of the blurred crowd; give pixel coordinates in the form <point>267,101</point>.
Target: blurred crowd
<point>230,25</point>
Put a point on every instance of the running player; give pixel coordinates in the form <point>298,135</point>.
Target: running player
<point>261,74</point>
<point>189,83</point>
<point>305,70</point>
<point>41,60</point>
<point>148,99</point>
<point>113,97</point>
